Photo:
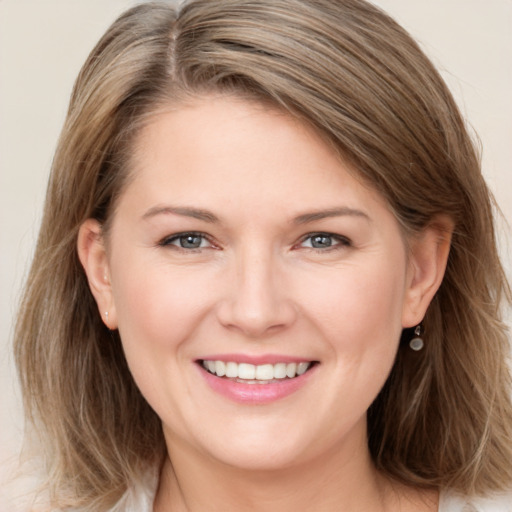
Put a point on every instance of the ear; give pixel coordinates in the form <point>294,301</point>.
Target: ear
<point>428,256</point>
<point>93,256</point>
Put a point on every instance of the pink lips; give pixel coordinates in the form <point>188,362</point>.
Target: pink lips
<point>255,393</point>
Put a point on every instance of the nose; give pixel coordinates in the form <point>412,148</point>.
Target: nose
<point>257,302</point>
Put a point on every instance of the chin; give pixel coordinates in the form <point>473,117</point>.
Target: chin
<point>258,458</point>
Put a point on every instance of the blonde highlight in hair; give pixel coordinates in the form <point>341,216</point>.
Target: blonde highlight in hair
<point>444,417</point>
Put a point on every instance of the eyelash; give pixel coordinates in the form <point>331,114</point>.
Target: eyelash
<point>168,241</point>
<point>339,241</point>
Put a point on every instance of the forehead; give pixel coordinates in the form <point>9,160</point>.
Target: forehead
<point>214,149</point>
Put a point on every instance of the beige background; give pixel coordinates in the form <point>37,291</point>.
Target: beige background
<point>44,42</point>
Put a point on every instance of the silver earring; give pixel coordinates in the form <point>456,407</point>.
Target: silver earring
<point>106,316</point>
<point>417,343</point>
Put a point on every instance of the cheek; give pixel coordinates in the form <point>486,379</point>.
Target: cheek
<point>158,316</point>
<point>360,307</point>
<point>157,309</point>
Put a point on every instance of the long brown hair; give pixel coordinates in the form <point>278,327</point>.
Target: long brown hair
<point>444,417</point>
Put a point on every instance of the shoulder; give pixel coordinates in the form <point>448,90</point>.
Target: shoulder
<point>452,502</point>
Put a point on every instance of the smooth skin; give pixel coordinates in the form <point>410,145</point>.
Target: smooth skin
<point>242,232</point>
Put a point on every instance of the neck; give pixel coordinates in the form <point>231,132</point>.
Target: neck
<point>345,480</point>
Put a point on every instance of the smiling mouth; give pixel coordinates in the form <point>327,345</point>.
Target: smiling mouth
<point>256,374</point>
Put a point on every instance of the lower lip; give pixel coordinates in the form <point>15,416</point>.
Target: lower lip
<point>255,394</point>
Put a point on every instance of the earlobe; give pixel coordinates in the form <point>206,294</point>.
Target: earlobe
<point>428,257</point>
<point>93,257</point>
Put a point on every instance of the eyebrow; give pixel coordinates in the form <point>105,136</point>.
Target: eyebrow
<point>207,216</point>
<point>184,211</point>
<point>331,212</point>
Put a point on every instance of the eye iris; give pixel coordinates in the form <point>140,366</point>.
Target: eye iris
<point>321,241</point>
<point>190,241</point>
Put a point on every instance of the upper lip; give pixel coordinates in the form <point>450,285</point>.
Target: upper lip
<point>255,359</point>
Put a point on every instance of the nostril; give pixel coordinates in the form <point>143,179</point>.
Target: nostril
<point>256,314</point>
<point>253,321</point>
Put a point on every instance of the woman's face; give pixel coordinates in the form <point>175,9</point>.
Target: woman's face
<point>244,245</point>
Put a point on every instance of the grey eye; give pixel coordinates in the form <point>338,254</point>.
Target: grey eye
<point>321,241</point>
<point>190,241</point>
<point>325,241</point>
<point>186,241</point>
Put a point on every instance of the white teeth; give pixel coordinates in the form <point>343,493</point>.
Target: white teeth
<point>301,368</point>
<point>280,371</point>
<point>264,372</point>
<point>220,368</point>
<point>231,370</point>
<point>251,372</point>
<point>291,370</point>
<point>246,371</point>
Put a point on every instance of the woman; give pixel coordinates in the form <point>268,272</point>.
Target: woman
<point>266,277</point>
